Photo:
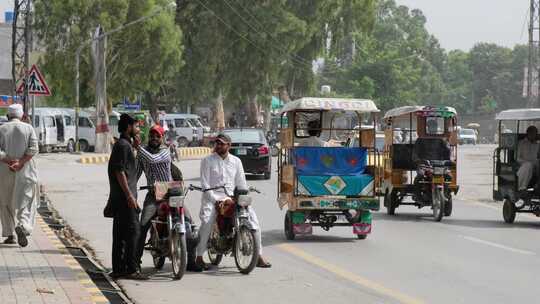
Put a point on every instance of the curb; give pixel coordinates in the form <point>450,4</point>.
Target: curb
<point>97,159</point>
<point>193,152</point>
<point>96,295</point>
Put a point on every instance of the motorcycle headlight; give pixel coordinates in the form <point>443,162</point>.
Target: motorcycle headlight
<point>244,200</point>
<point>176,201</point>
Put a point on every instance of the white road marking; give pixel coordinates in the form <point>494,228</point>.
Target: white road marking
<point>500,246</point>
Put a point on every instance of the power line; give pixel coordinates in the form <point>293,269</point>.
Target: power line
<point>235,31</point>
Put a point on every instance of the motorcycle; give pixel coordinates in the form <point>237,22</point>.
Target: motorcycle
<point>273,137</point>
<point>432,178</point>
<point>232,232</point>
<point>169,232</point>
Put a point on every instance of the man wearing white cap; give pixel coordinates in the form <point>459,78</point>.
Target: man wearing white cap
<point>19,191</point>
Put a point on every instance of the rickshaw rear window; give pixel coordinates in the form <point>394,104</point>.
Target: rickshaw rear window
<point>435,125</point>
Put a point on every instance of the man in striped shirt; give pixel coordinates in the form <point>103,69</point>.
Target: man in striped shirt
<point>155,161</point>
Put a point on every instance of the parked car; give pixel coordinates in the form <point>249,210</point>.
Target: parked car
<point>186,133</point>
<point>55,129</point>
<point>87,131</point>
<point>251,147</point>
<point>467,136</point>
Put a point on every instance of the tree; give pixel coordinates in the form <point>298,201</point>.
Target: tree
<point>140,59</point>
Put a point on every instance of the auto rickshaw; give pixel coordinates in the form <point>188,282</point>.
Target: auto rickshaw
<point>322,182</point>
<point>512,129</point>
<point>419,159</point>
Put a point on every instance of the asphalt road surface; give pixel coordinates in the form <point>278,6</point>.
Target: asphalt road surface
<point>470,257</point>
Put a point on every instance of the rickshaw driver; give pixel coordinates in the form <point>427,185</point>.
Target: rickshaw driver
<point>527,159</point>
<point>314,140</point>
<point>431,148</point>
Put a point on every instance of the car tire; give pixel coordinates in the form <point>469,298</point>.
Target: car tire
<point>183,142</point>
<point>83,145</point>
<point>267,175</point>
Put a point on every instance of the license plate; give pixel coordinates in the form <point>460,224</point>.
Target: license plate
<point>241,151</point>
<point>176,201</point>
<point>438,179</point>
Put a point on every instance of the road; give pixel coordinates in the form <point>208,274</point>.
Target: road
<point>470,257</point>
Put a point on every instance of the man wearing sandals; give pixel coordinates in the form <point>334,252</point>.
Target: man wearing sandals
<point>218,169</point>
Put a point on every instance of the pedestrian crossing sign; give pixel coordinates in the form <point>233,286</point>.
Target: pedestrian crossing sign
<point>36,84</point>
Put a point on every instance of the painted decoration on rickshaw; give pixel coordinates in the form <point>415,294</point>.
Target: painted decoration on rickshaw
<point>330,161</point>
<point>357,185</point>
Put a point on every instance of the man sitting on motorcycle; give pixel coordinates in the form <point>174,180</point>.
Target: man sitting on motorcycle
<point>428,149</point>
<point>156,163</point>
<point>221,169</point>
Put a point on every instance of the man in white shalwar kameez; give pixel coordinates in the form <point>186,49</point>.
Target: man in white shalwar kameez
<point>222,169</point>
<point>19,190</point>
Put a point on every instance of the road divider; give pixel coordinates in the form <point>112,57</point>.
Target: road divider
<point>94,159</point>
<point>183,153</point>
<point>193,152</point>
<point>347,275</point>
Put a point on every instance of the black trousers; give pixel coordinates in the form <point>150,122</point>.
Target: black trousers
<point>126,231</point>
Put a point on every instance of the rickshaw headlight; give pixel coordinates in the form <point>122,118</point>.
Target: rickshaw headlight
<point>244,200</point>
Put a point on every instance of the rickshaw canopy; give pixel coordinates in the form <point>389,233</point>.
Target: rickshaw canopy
<point>519,114</point>
<point>331,104</point>
<point>441,111</point>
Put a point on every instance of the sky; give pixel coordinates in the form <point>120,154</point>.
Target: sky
<point>458,24</point>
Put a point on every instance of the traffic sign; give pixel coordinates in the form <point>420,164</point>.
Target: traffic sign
<point>36,84</point>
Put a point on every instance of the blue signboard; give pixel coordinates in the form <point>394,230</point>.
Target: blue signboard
<point>132,104</point>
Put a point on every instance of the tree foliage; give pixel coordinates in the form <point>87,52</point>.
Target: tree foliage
<point>141,58</point>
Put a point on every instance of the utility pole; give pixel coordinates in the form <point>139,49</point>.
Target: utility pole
<point>533,68</point>
<point>21,45</point>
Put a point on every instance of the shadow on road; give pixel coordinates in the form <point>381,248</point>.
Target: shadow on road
<point>276,237</point>
<point>404,217</point>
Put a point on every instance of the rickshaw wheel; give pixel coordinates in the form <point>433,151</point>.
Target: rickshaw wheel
<point>361,236</point>
<point>448,206</point>
<point>289,232</point>
<point>509,211</point>
<point>390,203</point>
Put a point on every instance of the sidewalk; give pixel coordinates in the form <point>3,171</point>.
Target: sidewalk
<point>44,272</point>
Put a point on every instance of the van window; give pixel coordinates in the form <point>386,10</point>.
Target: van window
<point>48,121</point>
<point>36,121</point>
<point>69,121</point>
<point>181,123</point>
<point>113,120</point>
<point>84,122</point>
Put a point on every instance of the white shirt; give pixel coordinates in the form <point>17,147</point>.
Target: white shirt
<point>216,171</point>
<point>527,151</point>
<point>312,141</point>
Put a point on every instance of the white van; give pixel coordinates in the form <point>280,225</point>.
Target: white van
<point>196,121</point>
<point>87,131</point>
<point>186,133</point>
<point>55,129</point>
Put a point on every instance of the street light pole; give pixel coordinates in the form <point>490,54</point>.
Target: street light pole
<point>88,42</point>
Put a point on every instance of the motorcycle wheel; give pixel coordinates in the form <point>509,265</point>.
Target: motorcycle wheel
<point>390,203</point>
<point>448,206</point>
<point>246,252</point>
<point>178,256</point>
<point>214,257</point>
<point>438,204</point>
<point>158,259</point>
<point>509,211</point>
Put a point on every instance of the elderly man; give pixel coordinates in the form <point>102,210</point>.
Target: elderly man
<point>19,191</point>
<point>221,169</point>
<point>527,158</point>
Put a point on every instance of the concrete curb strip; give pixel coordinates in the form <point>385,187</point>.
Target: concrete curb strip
<point>184,153</point>
<point>96,295</point>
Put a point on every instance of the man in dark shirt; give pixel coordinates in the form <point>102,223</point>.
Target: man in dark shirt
<point>122,173</point>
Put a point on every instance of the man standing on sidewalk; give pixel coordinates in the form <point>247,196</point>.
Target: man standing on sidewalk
<point>19,190</point>
<point>122,173</point>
